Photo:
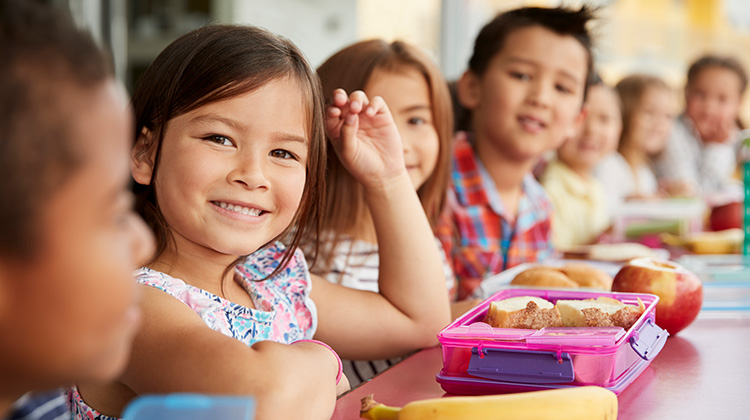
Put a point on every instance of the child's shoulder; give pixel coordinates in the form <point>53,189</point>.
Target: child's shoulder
<point>535,192</point>
<point>556,172</point>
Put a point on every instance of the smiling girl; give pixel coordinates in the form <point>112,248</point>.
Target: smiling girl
<point>229,159</point>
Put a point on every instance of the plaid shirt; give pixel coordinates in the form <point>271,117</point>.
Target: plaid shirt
<point>478,235</point>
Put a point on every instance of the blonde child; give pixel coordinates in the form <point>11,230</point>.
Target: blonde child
<point>579,201</point>
<point>525,88</point>
<point>229,157</point>
<point>648,112</point>
<point>69,239</point>
<point>418,97</point>
<point>700,155</point>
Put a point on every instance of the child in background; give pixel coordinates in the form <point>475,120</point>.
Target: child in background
<point>525,88</point>
<point>580,212</point>
<point>648,112</point>
<point>700,155</point>
<point>417,95</point>
<point>70,239</point>
<point>229,157</point>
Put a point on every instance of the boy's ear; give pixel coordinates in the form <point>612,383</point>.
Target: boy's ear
<point>469,90</point>
<point>578,122</point>
<point>142,157</point>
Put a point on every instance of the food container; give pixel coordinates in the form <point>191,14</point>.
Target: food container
<point>726,283</point>
<point>479,359</point>
<point>635,219</point>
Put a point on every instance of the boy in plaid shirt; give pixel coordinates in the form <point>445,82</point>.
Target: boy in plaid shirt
<point>525,89</point>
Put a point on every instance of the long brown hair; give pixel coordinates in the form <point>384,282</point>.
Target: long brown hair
<point>351,69</point>
<point>631,90</point>
<point>215,63</point>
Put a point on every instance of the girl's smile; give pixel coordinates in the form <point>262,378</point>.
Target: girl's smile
<point>237,209</point>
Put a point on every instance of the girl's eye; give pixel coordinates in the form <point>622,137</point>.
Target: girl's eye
<point>281,154</point>
<point>417,121</point>
<point>520,76</point>
<point>218,139</point>
<point>563,89</point>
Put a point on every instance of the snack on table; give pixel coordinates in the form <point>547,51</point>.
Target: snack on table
<point>727,241</point>
<point>587,276</point>
<point>570,275</point>
<point>543,276</point>
<point>610,252</point>
<point>599,312</point>
<point>523,312</point>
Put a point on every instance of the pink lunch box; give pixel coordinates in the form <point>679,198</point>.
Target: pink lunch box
<point>479,359</point>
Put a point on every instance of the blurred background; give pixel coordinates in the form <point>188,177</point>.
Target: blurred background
<point>660,37</point>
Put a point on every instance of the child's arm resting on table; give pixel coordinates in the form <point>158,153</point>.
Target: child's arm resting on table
<point>413,303</point>
<point>175,351</point>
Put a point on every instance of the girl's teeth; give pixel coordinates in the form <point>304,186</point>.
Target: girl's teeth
<point>239,209</point>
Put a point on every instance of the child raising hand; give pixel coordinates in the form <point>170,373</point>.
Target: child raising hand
<point>229,160</point>
<point>419,101</point>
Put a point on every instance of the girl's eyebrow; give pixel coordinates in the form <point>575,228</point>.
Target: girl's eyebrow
<point>417,107</point>
<point>291,137</point>
<point>209,118</point>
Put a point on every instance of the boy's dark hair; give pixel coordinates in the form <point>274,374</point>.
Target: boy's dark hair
<point>43,59</point>
<point>219,62</point>
<point>726,62</point>
<point>560,20</point>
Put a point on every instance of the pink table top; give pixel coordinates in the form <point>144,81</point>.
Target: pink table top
<point>701,373</point>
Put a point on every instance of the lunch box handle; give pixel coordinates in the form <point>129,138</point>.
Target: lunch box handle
<point>648,340</point>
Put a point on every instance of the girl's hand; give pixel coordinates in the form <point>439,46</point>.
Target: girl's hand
<point>365,137</point>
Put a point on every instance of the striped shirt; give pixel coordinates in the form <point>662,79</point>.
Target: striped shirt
<point>356,265</point>
<point>478,235</point>
<point>706,167</point>
<point>51,405</point>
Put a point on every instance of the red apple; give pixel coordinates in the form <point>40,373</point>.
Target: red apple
<point>680,291</point>
<point>726,216</point>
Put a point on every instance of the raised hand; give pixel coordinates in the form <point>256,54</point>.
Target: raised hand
<point>365,137</point>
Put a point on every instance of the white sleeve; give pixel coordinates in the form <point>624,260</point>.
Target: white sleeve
<point>717,165</point>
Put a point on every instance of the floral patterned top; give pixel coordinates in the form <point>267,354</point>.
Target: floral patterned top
<point>284,311</point>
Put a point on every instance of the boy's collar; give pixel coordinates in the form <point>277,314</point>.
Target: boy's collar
<point>474,186</point>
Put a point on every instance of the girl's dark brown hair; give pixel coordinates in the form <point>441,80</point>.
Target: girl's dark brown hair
<point>729,63</point>
<point>631,90</point>
<point>351,69</point>
<point>216,63</point>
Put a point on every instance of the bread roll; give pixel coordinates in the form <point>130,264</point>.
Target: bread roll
<point>527,312</point>
<point>587,276</point>
<point>543,277</point>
